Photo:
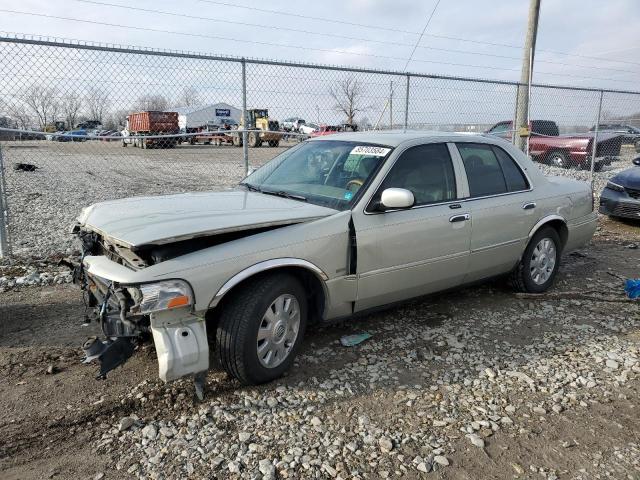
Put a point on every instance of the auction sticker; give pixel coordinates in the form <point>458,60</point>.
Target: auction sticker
<point>370,150</point>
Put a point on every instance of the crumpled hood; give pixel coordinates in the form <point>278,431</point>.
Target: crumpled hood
<point>629,178</point>
<point>139,221</point>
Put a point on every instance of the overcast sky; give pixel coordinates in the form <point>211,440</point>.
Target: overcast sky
<point>607,33</point>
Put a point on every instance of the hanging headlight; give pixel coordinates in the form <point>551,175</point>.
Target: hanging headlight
<point>165,295</point>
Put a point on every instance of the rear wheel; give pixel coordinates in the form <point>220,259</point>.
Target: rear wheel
<point>558,159</point>
<point>539,265</point>
<point>261,328</point>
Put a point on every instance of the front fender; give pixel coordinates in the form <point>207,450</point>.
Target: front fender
<point>266,266</point>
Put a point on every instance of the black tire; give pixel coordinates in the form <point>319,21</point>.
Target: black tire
<point>253,139</point>
<point>240,319</point>
<point>559,159</point>
<point>521,279</point>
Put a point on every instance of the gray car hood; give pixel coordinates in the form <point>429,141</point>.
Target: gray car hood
<point>138,221</point>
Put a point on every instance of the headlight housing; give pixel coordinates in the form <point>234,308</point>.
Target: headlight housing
<point>165,295</point>
<point>615,186</point>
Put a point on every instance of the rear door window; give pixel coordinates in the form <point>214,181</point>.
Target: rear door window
<point>513,176</point>
<point>490,170</point>
<point>484,173</point>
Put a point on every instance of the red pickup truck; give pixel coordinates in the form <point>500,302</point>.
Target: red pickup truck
<point>546,145</point>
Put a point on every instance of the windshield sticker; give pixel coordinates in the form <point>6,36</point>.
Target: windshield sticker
<point>371,151</point>
<point>348,195</point>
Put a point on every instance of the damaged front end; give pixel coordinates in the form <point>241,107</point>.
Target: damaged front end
<point>130,310</point>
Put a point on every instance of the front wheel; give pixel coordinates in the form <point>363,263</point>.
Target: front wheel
<point>539,265</point>
<point>261,328</point>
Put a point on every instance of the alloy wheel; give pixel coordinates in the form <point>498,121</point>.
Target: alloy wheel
<point>543,261</point>
<point>278,331</point>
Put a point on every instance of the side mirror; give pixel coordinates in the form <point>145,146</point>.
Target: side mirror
<point>397,198</point>
<point>636,161</point>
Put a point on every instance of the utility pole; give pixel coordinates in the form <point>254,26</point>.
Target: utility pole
<point>522,116</point>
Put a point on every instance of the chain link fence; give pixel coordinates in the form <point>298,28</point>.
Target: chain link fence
<point>64,108</point>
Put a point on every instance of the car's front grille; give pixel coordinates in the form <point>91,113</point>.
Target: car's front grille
<point>627,210</point>
<point>633,193</point>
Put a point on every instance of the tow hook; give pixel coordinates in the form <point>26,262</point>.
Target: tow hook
<point>110,353</point>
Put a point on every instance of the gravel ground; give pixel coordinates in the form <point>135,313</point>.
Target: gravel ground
<point>477,383</point>
<point>44,203</point>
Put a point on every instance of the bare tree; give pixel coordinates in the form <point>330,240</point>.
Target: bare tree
<point>117,120</point>
<point>151,102</point>
<point>348,97</point>
<point>43,102</point>
<point>190,97</point>
<point>21,116</point>
<point>97,103</point>
<point>70,107</point>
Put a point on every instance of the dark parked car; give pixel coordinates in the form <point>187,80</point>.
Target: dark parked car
<point>629,134</point>
<point>621,196</point>
<point>73,136</point>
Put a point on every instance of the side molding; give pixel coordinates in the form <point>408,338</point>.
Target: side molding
<point>544,220</point>
<point>263,267</point>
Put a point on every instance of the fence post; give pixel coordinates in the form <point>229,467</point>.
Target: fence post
<point>594,147</point>
<point>4,212</point>
<point>245,146</point>
<point>406,104</point>
<point>514,128</point>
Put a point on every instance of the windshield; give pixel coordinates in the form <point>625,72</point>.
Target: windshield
<point>328,173</point>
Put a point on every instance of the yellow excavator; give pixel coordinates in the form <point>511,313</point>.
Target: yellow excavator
<point>259,129</point>
<point>53,127</point>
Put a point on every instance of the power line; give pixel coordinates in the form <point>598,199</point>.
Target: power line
<point>409,32</point>
<point>334,35</point>
<point>342,52</point>
<point>433,11</point>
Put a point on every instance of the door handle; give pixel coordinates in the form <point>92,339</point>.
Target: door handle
<point>460,218</point>
<point>529,205</point>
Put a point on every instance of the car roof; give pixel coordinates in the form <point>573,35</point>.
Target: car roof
<point>393,138</point>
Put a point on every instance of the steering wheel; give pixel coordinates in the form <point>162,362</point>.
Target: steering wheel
<point>357,182</point>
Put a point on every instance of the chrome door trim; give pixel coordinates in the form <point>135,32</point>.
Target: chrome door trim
<point>497,245</point>
<point>412,264</point>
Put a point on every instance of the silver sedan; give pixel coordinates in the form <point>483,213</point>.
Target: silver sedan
<point>332,227</point>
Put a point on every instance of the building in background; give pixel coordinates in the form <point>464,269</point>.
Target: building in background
<point>190,119</point>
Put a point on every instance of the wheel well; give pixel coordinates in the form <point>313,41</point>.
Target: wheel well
<point>560,227</point>
<point>310,282</point>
